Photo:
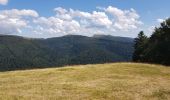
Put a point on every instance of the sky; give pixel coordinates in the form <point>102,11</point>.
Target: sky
<point>53,18</point>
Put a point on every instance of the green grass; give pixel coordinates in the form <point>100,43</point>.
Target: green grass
<point>117,81</point>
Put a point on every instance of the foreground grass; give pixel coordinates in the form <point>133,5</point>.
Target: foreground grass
<point>119,81</point>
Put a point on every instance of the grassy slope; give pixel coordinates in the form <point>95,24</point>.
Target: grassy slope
<point>119,81</point>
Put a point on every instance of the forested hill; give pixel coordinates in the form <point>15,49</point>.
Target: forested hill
<point>26,53</point>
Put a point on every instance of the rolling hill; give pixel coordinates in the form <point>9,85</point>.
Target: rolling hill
<point>117,81</point>
<point>26,53</point>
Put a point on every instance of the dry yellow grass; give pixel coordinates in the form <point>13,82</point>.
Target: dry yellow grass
<point>119,81</point>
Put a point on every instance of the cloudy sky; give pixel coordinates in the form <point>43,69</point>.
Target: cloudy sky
<point>52,18</point>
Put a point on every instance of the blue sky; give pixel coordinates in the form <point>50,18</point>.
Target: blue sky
<point>149,13</point>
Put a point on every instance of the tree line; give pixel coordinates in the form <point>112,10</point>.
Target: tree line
<point>156,48</point>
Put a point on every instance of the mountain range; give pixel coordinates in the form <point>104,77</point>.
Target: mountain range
<point>18,53</point>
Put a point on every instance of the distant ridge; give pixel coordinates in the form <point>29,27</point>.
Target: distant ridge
<point>115,38</point>
<point>18,52</point>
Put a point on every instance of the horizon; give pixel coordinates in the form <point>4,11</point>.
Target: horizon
<point>63,36</point>
<point>60,18</point>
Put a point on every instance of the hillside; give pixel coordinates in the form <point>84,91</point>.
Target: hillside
<point>25,53</point>
<point>117,81</point>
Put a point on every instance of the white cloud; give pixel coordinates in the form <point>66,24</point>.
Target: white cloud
<point>13,21</point>
<point>60,10</point>
<point>160,20</point>
<point>96,19</point>
<point>69,21</point>
<point>73,22</point>
<point>3,2</point>
<point>19,13</point>
<point>54,25</point>
<point>124,19</point>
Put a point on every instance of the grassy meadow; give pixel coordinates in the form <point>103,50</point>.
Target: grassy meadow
<point>117,81</point>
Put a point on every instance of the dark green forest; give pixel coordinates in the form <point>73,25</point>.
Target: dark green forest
<point>18,53</point>
<point>156,48</point>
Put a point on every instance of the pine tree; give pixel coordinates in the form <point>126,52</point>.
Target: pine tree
<point>155,49</point>
<point>139,46</point>
<point>159,44</point>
